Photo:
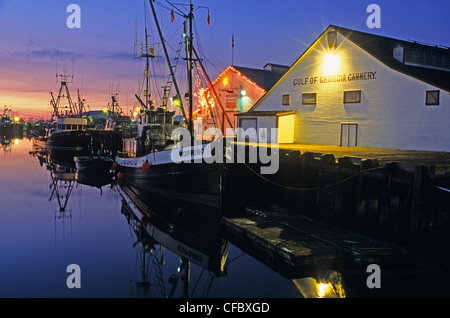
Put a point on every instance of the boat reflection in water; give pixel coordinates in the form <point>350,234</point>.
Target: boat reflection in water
<point>65,176</point>
<point>8,139</point>
<point>194,238</point>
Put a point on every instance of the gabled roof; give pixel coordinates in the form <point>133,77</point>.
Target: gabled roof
<point>262,78</point>
<point>381,48</point>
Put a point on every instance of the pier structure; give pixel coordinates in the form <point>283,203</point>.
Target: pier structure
<point>399,197</point>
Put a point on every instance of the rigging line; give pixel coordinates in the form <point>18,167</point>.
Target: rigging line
<point>172,6</point>
<point>305,189</point>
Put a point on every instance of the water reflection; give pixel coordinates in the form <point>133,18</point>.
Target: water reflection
<point>174,251</point>
<point>330,286</point>
<point>194,238</point>
<point>8,140</point>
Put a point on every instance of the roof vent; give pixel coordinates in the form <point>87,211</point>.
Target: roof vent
<point>434,58</point>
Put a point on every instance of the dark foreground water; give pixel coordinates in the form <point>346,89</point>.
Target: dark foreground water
<point>49,220</point>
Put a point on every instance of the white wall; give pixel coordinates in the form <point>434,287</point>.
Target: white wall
<point>392,112</point>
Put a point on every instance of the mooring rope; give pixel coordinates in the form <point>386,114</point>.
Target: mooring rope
<point>307,189</point>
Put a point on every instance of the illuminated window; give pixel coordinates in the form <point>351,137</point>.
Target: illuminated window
<point>331,39</point>
<point>309,98</point>
<point>352,97</point>
<point>286,100</point>
<point>432,98</point>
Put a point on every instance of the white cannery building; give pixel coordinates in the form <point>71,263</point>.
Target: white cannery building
<point>351,88</point>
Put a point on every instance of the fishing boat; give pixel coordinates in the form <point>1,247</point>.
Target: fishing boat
<point>117,120</point>
<point>162,156</point>
<point>69,127</point>
<point>95,164</point>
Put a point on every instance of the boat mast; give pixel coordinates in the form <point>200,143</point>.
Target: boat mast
<point>191,72</point>
<point>147,65</point>
<point>167,58</point>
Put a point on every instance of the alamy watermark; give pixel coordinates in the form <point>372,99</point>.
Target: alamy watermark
<point>74,19</point>
<point>74,279</point>
<point>374,19</point>
<point>374,279</point>
<point>266,153</point>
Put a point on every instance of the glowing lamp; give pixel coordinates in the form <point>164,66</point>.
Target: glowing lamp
<point>243,92</point>
<point>331,63</point>
<point>176,101</point>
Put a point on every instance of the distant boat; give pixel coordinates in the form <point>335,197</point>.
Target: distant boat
<point>9,125</point>
<point>69,127</point>
<point>70,134</point>
<point>117,119</point>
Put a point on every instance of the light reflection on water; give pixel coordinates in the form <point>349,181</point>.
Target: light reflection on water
<point>49,220</point>
<point>39,240</point>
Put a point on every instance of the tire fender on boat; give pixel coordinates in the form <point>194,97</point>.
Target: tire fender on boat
<point>146,166</point>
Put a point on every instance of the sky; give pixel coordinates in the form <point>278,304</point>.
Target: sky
<point>37,43</point>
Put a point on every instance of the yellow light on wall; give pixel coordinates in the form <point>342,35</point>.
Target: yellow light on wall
<point>324,289</point>
<point>331,63</point>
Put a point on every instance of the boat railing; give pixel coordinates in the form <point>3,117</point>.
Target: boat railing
<point>126,154</point>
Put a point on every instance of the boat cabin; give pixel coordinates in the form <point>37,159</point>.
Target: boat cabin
<point>153,132</point>
<point>71,124</point>
<point>117,123</point>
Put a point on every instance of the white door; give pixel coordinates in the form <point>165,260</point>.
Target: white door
<point>349,134</point>
<point>286,129</point>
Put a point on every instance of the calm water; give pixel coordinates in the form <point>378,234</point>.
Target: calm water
<point>48,221</point>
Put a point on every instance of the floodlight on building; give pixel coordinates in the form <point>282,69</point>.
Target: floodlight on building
<point>331,63</point>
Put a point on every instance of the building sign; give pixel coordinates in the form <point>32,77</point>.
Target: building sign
<point>341,78</point>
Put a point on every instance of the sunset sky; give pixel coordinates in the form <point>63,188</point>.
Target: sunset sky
<point>37,44</point>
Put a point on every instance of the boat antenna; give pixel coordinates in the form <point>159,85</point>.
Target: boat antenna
<point>167,58</point>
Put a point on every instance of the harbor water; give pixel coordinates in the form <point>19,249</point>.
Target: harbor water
<point>50,220</point>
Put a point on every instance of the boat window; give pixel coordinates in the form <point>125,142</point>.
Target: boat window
<point>74,127</point>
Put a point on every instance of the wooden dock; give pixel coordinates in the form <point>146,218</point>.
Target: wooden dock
<point>398,196</point>
<point>294,245</point>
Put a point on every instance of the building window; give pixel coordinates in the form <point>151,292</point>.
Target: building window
<point>231,101</point>
<point>432,98</point>
<point>352,97</point>
<point>309,98</point>
<point>331,39</point>
<point>286,100</point>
